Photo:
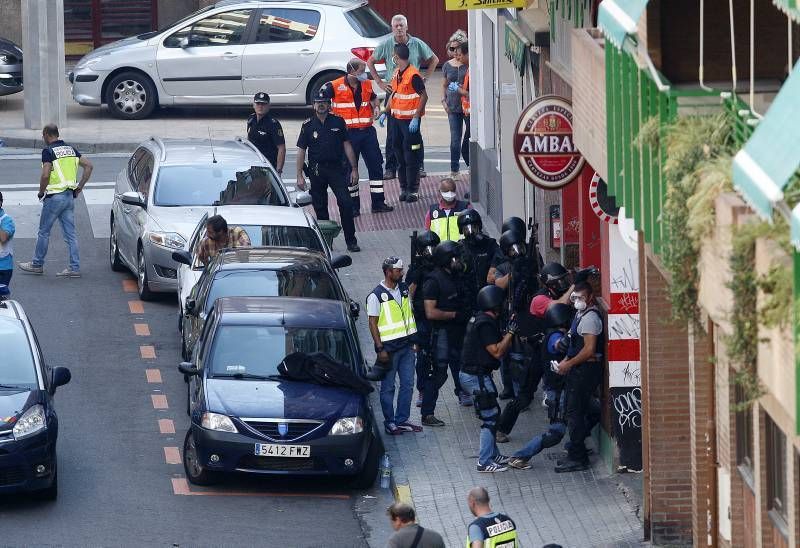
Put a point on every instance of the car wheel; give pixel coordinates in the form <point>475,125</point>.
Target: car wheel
<point>131,96</point>
<point>369,472</point>
<point>195,471</point>
<point>320,81</point>
<point>113,251</point>
<point>142,283</point>
<point>51,492</point>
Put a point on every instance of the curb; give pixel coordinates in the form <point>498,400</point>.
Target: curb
<point>402,492</point>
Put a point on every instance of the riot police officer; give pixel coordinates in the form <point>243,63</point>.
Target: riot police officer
<point>325,137</point>
<point>422,247</point>
<point>554,348</point>
<point>444,308</point>
<point>479,252</point>
<point>266,133</point>
<point>484,345</point>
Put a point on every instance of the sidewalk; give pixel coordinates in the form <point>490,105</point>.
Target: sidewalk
<point>436,468</point>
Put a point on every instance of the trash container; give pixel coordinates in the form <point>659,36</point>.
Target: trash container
<point>329,229</point>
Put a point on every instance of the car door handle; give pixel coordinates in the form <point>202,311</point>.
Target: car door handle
<point>306,52</point>
<point>230,55</point>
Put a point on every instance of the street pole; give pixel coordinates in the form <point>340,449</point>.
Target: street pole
<point>43,67</point>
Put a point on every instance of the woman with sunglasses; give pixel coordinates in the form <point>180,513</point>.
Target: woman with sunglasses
<point>454,71</point>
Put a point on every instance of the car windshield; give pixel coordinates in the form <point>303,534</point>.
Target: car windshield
<point>215,184</point>
<point>271,236</point>
<point>366,22</point>
<point>271,283</point>
<point>258,350</point>
<point>17,368</point>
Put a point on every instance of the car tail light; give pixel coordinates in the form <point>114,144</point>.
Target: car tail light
<point>362,53</point>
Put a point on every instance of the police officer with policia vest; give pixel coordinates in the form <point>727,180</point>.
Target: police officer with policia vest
<point>407,101</point>
<point>58,188</point>
<point>391,324</point>
<point>325,137</point>
<point>484,345</point>
<point>489,529</point>
<point>442,217</point>
<point>445,309</point>
<point>354,101</point>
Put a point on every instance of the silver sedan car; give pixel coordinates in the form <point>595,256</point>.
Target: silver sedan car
<point>226,52</point>
<point>167,187</point>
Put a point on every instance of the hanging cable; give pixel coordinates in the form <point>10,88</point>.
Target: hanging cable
<point>753,59</point>
<point>733,47</point>
<point>700,69</point>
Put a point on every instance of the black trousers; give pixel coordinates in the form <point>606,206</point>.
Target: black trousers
<point>581,383</point>
<point>391,160</point>
<point>525,384</point>
<point>408,151</point>
<point>322,177</point>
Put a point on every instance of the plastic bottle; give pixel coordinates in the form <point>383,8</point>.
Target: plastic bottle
<point>386,471</point>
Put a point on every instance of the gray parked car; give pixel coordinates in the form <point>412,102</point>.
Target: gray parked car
<point>226,52</point>
<point>168,185</point>
<point>10,67</point>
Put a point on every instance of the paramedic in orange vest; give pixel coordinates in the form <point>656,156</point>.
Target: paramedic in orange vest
<point>354,100</point>
<point>462,55</point>
<point>406,109</point>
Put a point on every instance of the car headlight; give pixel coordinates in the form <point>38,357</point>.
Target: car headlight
<point>347,426</point>
<point>215,421</point>
<point>172,240</point>
<point>31,422</point>
<point>89,63</point>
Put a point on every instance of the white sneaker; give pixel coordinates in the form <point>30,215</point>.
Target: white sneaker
<point>492,467</point>
<point>67,273</point>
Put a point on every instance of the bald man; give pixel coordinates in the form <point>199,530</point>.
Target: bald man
<point>489,528</point>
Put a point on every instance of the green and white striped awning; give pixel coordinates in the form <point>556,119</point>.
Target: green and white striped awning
<point>790,8</point>
<point>618,18</point>
<point>795,223</point>
<point>769,159</point>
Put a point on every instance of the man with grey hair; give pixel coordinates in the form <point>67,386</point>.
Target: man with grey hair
<point>419,54</point>
<point>489,529</point>
<point>409,534</point>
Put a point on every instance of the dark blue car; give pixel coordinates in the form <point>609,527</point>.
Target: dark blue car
<point>247,419</point>
<point>28,421</point>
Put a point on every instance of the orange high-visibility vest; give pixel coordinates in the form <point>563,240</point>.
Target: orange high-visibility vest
<point>405,100</point>
<point>344,105</point>
<point>465,98</point>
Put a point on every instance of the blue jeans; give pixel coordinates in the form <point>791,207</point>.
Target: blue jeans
<point>472,384</point>
<point>5,279</point>
<point>59,207</point>
<point>555,431</point>
<point>403,364</point>
<point>459,139</point>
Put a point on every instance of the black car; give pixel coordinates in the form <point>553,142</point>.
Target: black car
<point>10,67</point>
<point>245,418</point>
<point>28,421</point>
<point>261,272</point>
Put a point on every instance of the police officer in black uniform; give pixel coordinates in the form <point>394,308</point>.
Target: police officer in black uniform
<point>444,308</point>
<point>266,133</point>
<point>325,137</point>
<point>420,268</point>
<point>479,252</point>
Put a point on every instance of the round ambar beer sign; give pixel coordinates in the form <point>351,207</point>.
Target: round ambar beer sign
<point>543,145</point>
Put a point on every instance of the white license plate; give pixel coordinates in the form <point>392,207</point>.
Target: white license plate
<point>278,450</point>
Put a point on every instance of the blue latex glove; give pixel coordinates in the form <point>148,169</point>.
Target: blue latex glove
<point>382,119</point>
<point>413,127</point>
<point>453,86</point>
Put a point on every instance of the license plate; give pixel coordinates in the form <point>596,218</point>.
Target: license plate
<point>279,450</point>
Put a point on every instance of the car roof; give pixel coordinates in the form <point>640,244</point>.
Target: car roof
<point>196,151</point>
<point>288,311</point>
<point>12,310</point>
<point>271,258</point>
<point>335,3</point>
<point>263,215</point>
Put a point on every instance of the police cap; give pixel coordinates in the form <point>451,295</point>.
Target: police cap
<point>261,97</point>
<point>392,262</point>
<point>322,96</point>
<point>490,297</point>
<point>558,315</point>
<point>445,252</point>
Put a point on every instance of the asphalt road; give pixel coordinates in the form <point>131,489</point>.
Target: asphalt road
<point>121,482</point>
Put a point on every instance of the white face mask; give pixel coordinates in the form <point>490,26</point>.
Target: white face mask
<point>448,196</point>
<point>363,77</point>
<point>579,305</point>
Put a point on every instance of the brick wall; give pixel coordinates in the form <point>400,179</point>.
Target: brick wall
<point>701,428</point>
<point>589,99</point>
<point>666,447</point>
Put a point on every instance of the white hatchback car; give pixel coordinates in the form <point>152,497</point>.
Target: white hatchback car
<point>225,53</point>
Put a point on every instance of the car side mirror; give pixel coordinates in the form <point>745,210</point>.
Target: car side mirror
<point>187,368</point>
<point>133,199</point>
<point>302,199</point>
<point>355,309</point>
<point>183,257</point>
<point>61,376</point>
<point>190,306</point>
<point>341,261</point>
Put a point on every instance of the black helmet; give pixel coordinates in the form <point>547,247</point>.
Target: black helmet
<point>554,277</point>
<point>469,218</point>
<point>490,297</point>
<point>426,243</point>
<point>558,315</point>
<point>512,244</point>
<point>516,224</point>
<point>445,252</point>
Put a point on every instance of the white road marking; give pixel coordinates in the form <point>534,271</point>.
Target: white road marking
<point>36,186</point>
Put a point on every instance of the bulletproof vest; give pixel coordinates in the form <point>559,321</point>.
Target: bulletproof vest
<point>576,340</point>
<point>473,352</point>
<point>498,532</point>
<point>418,273</point>
<point>450,295</point>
